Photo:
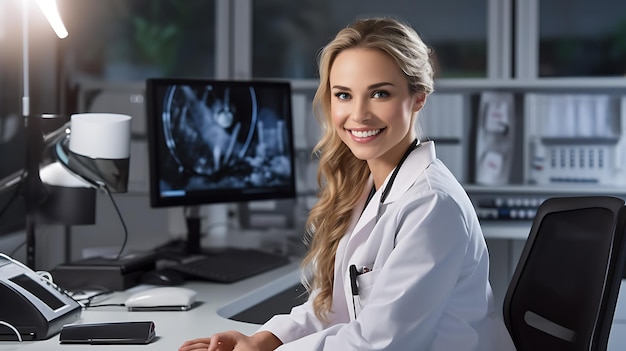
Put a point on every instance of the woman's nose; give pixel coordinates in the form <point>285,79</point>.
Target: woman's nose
<point>361,111</point>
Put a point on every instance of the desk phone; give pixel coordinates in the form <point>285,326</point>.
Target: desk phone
<point>31,307</point>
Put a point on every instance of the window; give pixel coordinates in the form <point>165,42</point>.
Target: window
<point>582,38</point>
<point>287,35</point>
<point>134,39</point>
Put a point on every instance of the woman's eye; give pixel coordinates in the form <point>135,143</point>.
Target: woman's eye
<point>380,94</point>
<point>342,96</point>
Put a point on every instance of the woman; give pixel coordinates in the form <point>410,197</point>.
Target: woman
<point>397,256</point>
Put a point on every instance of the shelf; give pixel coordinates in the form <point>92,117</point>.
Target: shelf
<point>561,84</point>
<point>570,84</point>
<point>555,189</point>
<point>574,141</point>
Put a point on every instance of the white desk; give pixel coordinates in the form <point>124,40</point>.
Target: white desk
<point>218,301</point>
<point>173,328</point>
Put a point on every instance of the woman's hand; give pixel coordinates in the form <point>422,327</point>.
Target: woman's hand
<point>233,341</point>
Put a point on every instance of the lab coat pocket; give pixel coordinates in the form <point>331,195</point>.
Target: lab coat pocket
<point>365,283</point>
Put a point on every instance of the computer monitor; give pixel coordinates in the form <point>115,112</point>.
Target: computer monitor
<point>218,141</point>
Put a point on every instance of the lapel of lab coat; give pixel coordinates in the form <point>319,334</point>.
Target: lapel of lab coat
<point>413,166</point>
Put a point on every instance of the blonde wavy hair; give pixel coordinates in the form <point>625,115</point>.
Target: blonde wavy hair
<point>341,176</point>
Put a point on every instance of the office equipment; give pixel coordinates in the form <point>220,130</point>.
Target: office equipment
<point>563,293</point>
<point>142,332</point>
<point>495,138</point>
<point>511,204</point>
<point>214,141</point>
<point>168,298</point>
<point>33,306</point>
<point>230,265</point>
<point>104,273</point>
<point>575,139</point>
<point>89,152</point>
<point>219,141</point>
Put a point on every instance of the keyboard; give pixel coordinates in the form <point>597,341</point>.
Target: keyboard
<point>229,266</point>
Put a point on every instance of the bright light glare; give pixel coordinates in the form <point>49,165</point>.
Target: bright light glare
<point>51,11</point>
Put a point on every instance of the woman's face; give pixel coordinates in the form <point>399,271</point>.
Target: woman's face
<point>371,106</point>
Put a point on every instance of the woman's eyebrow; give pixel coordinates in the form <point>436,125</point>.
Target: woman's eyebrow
<point>371,87</point>
<point>378,85</point>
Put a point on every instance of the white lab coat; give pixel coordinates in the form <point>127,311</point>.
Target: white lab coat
<point>428,286</point>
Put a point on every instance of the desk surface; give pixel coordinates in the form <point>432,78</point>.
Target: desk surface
<point>174,327</point>
<point>217,301</point>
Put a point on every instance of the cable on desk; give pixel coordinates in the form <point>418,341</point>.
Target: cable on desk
<point>10,326</point>
<point>87,301</point>
<point>107,305</point>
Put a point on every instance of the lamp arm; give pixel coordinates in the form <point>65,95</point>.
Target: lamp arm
<point>50,139</point>
<point>12,180</point>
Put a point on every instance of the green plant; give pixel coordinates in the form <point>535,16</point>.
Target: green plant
<point>157,31</point>
<point>155,42</point>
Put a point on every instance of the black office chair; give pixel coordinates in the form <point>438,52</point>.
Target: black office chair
<point>564,290</point>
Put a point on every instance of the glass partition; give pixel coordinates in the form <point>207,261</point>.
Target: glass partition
<point>582,38</point>
<point>287,35</point>
<point>130,40</point>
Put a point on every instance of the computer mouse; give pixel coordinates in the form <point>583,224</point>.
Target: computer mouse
<point>166,298</point>
<point>164,277</point>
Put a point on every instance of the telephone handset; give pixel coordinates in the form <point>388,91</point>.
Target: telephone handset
<point>31,305</point>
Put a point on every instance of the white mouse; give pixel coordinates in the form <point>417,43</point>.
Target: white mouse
<point>167,298</point>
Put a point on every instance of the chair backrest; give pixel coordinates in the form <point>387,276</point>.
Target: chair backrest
<point>563,292</point>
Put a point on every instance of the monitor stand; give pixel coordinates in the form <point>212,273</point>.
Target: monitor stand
<point>225,264</point>
<point>193,245</point>
<point>190,244</point>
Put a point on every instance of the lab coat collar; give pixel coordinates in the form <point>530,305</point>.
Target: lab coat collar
<point>413,166</point>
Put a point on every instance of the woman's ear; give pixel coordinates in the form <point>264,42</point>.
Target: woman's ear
<point>420,100</point>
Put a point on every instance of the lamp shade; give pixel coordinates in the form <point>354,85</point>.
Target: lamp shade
<point>100,135</point>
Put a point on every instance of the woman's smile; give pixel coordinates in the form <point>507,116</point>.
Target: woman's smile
<point>364,135</point>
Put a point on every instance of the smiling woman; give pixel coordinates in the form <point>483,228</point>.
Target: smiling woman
<point>393,235</point>
<point>372,108</point>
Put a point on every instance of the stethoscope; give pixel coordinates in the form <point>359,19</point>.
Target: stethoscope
<point>353,270</point>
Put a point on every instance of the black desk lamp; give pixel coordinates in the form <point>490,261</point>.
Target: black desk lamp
<point>94,148</point>
<point>65,167</point>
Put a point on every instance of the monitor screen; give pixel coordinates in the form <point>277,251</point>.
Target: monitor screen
<point>215,141</point>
